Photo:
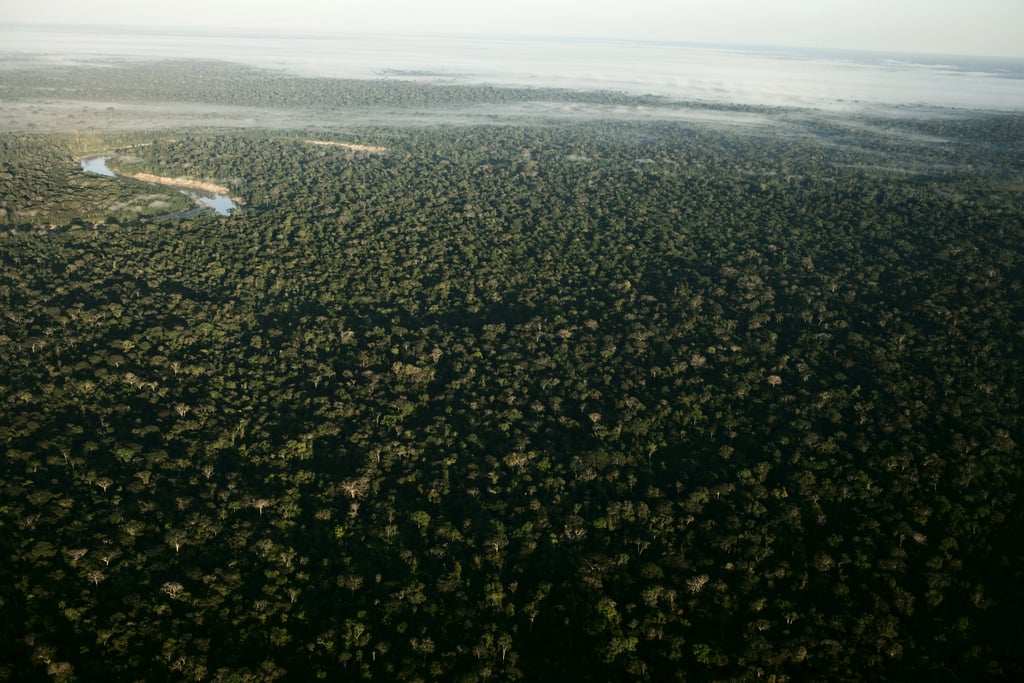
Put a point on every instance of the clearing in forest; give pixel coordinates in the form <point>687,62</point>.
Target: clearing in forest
<point>369,149</point>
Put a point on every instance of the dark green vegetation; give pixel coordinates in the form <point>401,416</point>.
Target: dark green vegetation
<point>218,83</point>
<point>42,184</point>
<point>609,401</point>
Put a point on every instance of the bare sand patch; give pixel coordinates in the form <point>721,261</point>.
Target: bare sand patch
<point>369,149</point>
<point>181,182</point>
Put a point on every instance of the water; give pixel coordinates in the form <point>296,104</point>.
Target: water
<point>219,203</point>
<point>97,165</point>
<point>824,79</point>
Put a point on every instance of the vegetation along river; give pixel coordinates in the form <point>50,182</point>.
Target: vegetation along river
<point>200,192</point>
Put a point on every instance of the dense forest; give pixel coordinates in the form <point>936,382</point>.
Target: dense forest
<point>564,400</point>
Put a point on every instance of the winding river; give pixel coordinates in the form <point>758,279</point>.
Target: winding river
<point>219,203</point>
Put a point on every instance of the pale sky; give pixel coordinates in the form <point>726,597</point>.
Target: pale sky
<point>978,27</point>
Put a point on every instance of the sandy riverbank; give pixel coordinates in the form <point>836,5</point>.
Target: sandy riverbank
<point>182,183</point>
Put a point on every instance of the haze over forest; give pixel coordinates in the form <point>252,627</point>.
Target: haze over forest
<point>778,76</point>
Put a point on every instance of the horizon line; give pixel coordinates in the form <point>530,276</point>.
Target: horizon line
<point>325,33</point>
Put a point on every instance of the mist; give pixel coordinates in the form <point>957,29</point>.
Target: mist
<point>827,80</point>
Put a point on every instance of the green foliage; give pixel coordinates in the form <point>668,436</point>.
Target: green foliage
<point>42,185</point>
<point>603,401</point>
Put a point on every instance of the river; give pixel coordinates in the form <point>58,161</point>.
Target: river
<point>219,203</point>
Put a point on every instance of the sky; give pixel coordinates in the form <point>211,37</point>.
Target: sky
<point>955,27</point>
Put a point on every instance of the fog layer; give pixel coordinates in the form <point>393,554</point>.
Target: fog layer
<point>758,76</point>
